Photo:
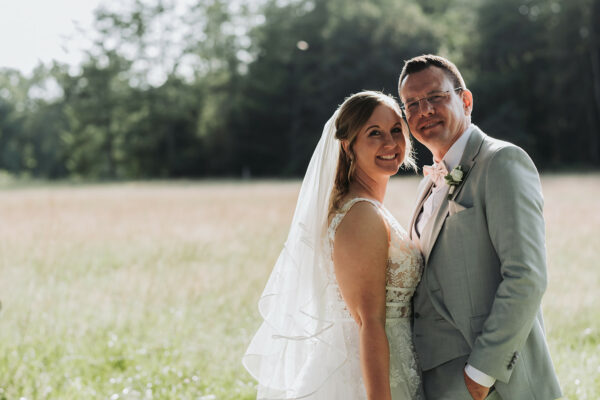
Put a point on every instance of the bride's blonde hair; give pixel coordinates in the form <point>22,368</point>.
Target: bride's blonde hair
<point>352,116</point>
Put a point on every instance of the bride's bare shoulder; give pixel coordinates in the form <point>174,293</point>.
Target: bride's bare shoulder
<point>362,224</point>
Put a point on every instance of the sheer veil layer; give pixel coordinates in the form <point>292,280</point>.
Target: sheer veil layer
<point>299,346</point>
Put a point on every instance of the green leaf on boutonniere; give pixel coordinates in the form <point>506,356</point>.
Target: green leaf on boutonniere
<point>454,178</point>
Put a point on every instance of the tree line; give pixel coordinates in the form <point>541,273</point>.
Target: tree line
<point>233,88</point>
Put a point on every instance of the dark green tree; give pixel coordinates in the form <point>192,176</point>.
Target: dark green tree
<point>230,88</point>
<point>95,104</point>
<point>311,55</point>
<point>530,63</point>
<point>31,124</point>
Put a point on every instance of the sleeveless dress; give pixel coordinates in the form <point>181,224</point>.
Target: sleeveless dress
<point>404,269</point>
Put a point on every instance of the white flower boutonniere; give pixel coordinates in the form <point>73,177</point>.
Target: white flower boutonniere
<point>454,178</point>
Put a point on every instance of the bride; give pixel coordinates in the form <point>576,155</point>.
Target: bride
<point>337,305</point>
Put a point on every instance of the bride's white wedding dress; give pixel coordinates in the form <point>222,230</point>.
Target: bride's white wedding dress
<point>307,346</point>
<point>404,268</point>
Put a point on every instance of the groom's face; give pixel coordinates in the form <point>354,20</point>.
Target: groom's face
<point>436,113</point>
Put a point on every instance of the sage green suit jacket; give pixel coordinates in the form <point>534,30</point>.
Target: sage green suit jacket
<point>486,251</point>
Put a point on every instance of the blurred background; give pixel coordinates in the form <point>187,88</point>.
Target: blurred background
<point>124,276</point>
<point>215,88</point>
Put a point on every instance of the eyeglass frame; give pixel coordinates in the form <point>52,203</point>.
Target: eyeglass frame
<point>418,101</point>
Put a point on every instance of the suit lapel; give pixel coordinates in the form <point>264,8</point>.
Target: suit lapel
<point>469,156</point>
<point>467,160</point>
<point>419,206</point>
<point>433,227</point>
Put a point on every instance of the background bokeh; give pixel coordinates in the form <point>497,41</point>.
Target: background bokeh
<point>149,290</point>
<point>122,276</point>
<point>242,88</point>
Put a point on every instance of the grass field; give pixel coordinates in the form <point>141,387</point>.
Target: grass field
<point>149,290</point>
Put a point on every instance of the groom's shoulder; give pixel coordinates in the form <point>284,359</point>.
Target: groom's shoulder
<point>497,149</point>
<point>492,145</point>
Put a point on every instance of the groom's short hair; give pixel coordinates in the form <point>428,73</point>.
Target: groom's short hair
<point>417,64</point>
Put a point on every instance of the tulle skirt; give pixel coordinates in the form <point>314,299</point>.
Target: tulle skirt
<point>346,382</point>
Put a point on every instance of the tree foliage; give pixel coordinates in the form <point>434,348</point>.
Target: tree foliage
<point>230,88</point>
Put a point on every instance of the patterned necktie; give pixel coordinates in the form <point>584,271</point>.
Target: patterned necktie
<point>436,172</point>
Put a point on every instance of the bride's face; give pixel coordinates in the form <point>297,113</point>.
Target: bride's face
<point>380,144</point>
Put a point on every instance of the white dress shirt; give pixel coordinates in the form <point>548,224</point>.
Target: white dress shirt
<point>430,207</point>
<point>450,160</point>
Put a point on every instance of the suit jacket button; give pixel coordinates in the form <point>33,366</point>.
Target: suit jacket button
<point>417,315</point>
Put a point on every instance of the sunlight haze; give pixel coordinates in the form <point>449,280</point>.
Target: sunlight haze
<point>39,30</point>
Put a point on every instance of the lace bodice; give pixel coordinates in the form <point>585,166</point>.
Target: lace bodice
<point>404,264</point>
<point>403,272</point>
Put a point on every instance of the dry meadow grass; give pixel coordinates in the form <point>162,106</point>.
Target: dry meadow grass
<point>149,290</point>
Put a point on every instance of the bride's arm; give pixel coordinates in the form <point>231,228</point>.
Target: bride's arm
<point>360,254</point>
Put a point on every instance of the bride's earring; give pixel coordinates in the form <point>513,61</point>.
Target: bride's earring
<point>350,168</point>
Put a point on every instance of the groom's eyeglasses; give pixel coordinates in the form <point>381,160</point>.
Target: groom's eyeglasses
<point>412,107</point>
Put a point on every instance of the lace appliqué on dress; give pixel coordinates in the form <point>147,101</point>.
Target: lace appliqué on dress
<point>403,272</point>
<point>405,380</point>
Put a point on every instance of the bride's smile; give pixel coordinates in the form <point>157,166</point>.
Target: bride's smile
<point>380,146</point>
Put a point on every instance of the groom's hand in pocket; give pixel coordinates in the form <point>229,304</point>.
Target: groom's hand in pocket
<point>477,391</point>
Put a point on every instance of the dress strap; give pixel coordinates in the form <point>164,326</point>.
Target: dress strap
<point>339,216</point>
<point>348,205</point>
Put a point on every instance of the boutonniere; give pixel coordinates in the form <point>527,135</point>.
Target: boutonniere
<point>454,178</point>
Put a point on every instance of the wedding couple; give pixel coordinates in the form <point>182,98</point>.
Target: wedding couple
<point>358,308</point>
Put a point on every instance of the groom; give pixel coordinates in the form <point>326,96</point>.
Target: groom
<point>478,328</point>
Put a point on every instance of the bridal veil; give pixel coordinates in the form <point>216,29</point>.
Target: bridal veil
<point>299,345</point>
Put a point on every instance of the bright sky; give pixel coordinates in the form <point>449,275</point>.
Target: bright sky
<point>42,30</point>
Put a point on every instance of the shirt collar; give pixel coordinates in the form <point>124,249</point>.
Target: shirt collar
<point>455,153</point>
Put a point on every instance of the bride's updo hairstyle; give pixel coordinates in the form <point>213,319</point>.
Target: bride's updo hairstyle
<point>353,114</point>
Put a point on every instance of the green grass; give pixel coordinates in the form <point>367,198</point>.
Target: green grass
<point>149,290</point>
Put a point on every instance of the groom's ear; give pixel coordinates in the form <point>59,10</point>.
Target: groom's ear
<point>467,98</point>
<point>405,124</point>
